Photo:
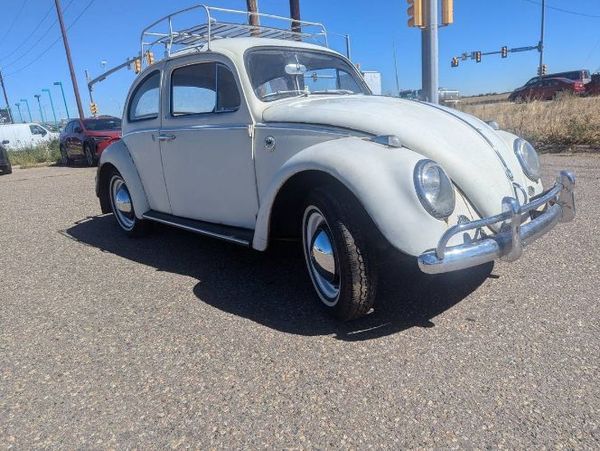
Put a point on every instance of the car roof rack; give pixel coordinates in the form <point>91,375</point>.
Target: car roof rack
<point>194,35</point>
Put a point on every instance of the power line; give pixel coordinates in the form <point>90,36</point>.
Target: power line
<point>567,11</point>
<point>9,29</point>
<point>48,30</point>
<point>53,43</point>
<point>35,29</point>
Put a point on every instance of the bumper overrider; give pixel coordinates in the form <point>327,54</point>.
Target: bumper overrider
<point>555,205</point>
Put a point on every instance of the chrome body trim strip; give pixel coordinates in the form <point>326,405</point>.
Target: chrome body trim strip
<point>198,230</point>
<point>559,202</point>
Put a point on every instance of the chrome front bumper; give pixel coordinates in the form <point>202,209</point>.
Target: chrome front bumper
<point>508,243</point>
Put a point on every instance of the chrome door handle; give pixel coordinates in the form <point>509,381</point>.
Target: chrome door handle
<point>166,137</point>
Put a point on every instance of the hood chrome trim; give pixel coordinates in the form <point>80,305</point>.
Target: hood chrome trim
<point>507,170</point>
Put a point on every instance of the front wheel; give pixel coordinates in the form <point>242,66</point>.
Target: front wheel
<point>90,159</point>
<point>64,157</point>
<point>339,256</point>
<point>122,206</point>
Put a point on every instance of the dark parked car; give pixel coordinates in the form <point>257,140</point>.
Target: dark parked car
<point>85,140</point>
<point>546,88</point>
<point>5,166</point>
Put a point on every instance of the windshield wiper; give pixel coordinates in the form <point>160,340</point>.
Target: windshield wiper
<point>298,93</point>
<point>334,91</point>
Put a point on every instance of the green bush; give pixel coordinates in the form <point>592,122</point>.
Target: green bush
<point>44,153</point>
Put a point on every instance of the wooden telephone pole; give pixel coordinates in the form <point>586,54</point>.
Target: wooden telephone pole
<point>252,7</point>
<point>69,60</point>
<point>295,15</point>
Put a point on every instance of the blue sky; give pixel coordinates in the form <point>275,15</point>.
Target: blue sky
<point>109,30</point>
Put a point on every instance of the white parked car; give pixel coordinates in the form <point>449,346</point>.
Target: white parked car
<point>249,139</point>
<point>23,136</point>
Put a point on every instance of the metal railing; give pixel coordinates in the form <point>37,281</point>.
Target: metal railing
<point>164,32</point>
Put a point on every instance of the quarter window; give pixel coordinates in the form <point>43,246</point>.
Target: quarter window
<point>145,101</point>
<point>203,88</point>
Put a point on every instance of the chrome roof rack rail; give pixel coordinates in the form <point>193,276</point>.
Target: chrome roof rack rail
<point>195,35</point>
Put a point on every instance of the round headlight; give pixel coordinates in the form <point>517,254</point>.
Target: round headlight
<point>528,158</point>
<point>434,189</point>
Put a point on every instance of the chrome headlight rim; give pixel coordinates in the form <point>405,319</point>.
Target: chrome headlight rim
<point>530,168</point>
<point>441,212</point>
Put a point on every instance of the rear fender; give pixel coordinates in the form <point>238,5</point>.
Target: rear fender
<point>117,155</point>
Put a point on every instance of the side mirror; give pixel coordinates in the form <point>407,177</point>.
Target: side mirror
<point>78,130</point>
<point>44,132</point>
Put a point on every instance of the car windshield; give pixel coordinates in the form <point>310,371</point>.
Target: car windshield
<point>94,125</point>
<point>279,73</point>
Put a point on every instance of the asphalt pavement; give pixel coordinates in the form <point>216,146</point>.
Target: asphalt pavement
<point>176,340</point>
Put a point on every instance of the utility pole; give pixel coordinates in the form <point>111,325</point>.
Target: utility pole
<point>37,96</point>
<point>396,69</point>
<point>295,15</point>
<point>51,105</point>
<point>430,52</point>
<point>69,60</point>
<point>10,116</point>
<point>541,44</point>
<point>253,21</point>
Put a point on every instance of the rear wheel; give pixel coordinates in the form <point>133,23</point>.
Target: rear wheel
<point>339,256</point>
<point>122,206</point>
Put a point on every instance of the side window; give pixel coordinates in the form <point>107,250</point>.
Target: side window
<point>203,88</point>
<point>37,130</point>
<point>145,101</point>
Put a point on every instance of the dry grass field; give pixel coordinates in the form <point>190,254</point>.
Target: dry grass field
<point>567,123</point>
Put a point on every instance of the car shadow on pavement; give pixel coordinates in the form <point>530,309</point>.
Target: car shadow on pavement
<point>274,289</point>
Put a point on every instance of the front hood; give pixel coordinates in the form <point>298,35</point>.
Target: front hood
<point>475,157</point>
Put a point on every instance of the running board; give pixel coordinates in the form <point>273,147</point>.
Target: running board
<point>236,235</point>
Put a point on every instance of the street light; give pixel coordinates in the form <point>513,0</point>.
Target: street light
<point>28,109</point>
<point>37,96</point>
<point>59,83</point>
<point>51,105</point>
<point>18,105</point>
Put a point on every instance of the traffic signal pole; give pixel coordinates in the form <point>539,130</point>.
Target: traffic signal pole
<point>429,41</point>
<point>541,44</point>
<point>69,60</point>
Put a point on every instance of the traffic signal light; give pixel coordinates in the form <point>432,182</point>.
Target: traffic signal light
<point>93,108</point>
<point>137,65</point>
<point>149,58</point>
<point>454,62</point>
<point>415,13</point>
<point>504,51</point>
<point>478,56</point>
<point>542,70</point>
<point>447,12</point>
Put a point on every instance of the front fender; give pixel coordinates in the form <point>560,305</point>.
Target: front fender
<point>118,156</point>
<point>380,177</point>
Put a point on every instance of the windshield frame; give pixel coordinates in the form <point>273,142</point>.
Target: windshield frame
<point>353,70</point>
<point>88,121</point>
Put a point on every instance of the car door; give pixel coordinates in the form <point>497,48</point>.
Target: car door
<point>141,127</point>
<point>76,140</point>
<point>206,145</point>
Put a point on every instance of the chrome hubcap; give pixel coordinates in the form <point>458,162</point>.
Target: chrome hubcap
<point>121,203</point>
<point>320,256</point>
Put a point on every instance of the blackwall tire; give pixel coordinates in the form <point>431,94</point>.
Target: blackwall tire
<point>340,257</point>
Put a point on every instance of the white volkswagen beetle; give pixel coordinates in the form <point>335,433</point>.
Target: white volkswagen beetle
<point>251,138</point>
